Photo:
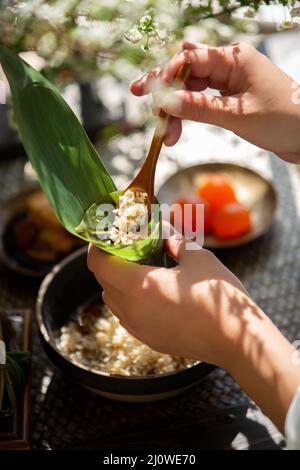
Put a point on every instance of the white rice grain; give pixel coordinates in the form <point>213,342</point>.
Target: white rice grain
<point>131,219</point>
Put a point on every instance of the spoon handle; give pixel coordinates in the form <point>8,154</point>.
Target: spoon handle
<point>161,130</point>
<point>160,133</point>
<point>162,127</point>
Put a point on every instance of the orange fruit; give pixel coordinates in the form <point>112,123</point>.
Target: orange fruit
<point>231,221</point>
<point>184,219</point>
<point>217,191</point>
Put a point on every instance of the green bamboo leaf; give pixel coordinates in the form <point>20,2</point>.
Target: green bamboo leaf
<point>69,169</point>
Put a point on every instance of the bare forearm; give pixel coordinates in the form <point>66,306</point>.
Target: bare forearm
<point>266,370</point>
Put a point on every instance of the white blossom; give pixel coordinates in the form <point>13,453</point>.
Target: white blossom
<point>134,35</point>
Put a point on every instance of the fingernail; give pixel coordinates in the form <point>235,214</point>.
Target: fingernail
<point>137,81</point>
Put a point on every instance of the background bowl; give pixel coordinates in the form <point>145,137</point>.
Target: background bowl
<point>12,213</point>
<point>252,190</point>
<point>70,285</point>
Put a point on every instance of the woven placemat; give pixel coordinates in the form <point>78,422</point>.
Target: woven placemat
<point>66,416</point>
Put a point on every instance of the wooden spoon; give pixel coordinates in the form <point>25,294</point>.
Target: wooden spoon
<point>144,180</point>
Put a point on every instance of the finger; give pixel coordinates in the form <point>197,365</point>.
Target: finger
<point>196,106</point>
<point>192,45</point>
<point>156,78</point>
<point>192,84</point>
<point>114,307</point>
<point>213,63</point>
<point>152,80</point>
<point>225,93</point>
<point>196,84</point>
<point>169,71</point>
<point>111,303</point>
<point>174,132</point>
<point>168,230</point>
<point>112,291</point>
<point>118,311</point>
<point>175,247</point>
<point>146,83</point>
<point>116,271</point>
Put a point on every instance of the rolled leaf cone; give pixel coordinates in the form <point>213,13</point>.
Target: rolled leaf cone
<point>69,169</point>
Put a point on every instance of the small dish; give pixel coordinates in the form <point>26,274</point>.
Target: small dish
<point>253,190</point>
<point>67,287</point>
<point>15,226</point>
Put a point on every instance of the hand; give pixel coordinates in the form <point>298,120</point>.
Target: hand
<point>200,310</point>
<point>258,101</point>
<point>196,309</point>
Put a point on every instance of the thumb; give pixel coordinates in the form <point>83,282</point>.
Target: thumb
<point>175,247</point>
<point>193,105</point>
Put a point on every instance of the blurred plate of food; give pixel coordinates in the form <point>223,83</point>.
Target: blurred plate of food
<point>239,203</point>
<point>32,239</point>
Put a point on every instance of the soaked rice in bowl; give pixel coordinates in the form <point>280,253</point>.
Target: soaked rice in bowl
<point>97,341</point>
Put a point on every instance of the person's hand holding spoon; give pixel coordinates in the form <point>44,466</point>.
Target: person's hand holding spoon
<point>144,181</point>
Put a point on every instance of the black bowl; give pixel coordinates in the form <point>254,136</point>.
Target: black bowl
<point>70,285</point>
